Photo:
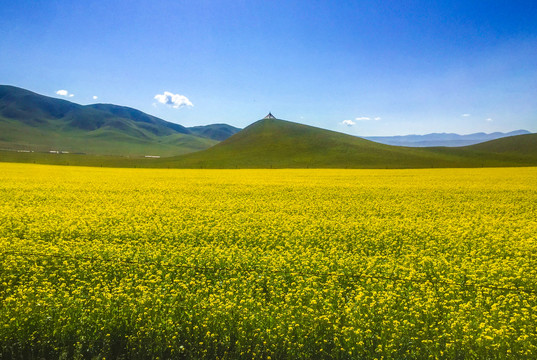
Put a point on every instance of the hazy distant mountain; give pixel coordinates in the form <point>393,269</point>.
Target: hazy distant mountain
<point>442,139</point>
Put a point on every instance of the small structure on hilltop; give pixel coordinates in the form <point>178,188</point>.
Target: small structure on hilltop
<point>269,116</point>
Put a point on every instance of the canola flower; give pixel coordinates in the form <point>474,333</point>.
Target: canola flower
<point>267,264</point>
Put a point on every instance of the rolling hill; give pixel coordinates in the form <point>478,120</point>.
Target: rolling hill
<point>274,143</point>
<point>29,121</point>
<point>218,132</point>
<point>514,145</point>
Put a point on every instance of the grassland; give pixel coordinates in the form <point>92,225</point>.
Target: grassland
<point>118,136</point>
<point>273,143</point>
<point>267,264</point>
<point>104,141</point>
<point>282,144</point>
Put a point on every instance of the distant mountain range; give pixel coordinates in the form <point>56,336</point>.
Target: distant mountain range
<point>29,121</point>
<point>442,139</point>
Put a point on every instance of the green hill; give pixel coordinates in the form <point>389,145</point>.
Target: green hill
<point>29,121</point>
<point>33,122</point>
<point>273,143</point>
<point>513,145</point>
<point>214,131</point>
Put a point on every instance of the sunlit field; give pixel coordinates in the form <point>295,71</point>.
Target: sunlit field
<point>268,264</point>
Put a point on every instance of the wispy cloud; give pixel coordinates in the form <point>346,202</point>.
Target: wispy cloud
<point>465,115</point>
<point>488,119</point>
<point>360,118</point>
<point>174,100</point>
<point>64,93</point>
<point>368,118</point>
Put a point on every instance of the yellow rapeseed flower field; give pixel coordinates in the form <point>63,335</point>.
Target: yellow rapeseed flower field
<point>268,264</point>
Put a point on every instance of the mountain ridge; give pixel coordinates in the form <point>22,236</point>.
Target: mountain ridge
<point>443,139</point>
<point>31,121</point>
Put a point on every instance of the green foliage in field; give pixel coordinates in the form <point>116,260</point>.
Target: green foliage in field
<point>281,264</point>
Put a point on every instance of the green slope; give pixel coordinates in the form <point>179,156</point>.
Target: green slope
<point>218,132</point>
<point>144,121</point>
<point>512,145</point>
<point>29,121</point>
<point>273,143</point>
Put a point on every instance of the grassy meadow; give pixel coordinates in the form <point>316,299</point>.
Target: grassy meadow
<point>280,144</point>
<point>267,264</point>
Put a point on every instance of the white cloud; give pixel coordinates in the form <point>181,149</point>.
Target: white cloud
<point>489,119</point>
<point>465,115</point>
<point>95,97</point>
<point>360,118</point>
<point>174,100</point>
<point>367,118</point>
<point>64,93</point>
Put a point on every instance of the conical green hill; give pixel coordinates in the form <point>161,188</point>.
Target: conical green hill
<point>274,143</point>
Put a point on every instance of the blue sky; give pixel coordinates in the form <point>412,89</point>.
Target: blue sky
<point>360,67</point>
